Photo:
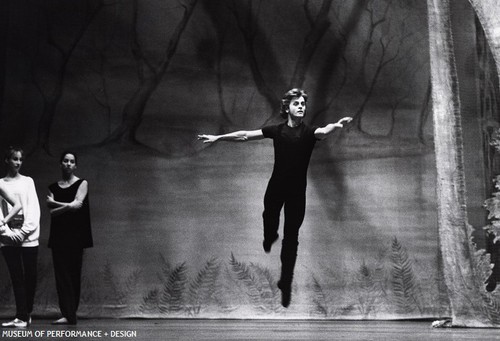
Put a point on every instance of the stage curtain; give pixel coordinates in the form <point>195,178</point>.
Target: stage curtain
<point>465,268</point>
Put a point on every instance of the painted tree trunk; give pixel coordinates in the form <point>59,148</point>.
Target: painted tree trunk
<point>463,271</point>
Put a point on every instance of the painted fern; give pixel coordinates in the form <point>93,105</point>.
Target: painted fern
<point>482,270</point>
<point>203,287</point>
<point>172,296</point>
<point>131,282</point>
<point>112,293</point>
<point>369,290</point>
<point>491,307</point>
<point>150,302</point>
<point>269,292</point>
<point>403,280</point>
<point>254,289</point>
<point>319,299</point>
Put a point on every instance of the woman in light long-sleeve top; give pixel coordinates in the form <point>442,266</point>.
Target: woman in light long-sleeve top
<point>19,243</point>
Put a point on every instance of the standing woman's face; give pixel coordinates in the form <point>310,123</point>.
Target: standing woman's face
<point>15,162</point>
<point>68,163</point>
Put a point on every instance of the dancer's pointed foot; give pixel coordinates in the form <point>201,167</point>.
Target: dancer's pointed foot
<point>267,243</point>
<point>286,293</point>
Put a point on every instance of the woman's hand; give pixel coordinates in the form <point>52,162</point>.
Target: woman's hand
<point>10,237</point>
<point>3,227</point>
<point>50,201</point>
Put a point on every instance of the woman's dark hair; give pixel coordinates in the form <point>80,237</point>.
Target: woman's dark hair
<point>66,152</point>
<point>287,97</point>
<point>9,151</point>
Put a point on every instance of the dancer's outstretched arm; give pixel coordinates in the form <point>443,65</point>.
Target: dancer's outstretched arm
<point>323,132</point>
<point>237,136</point>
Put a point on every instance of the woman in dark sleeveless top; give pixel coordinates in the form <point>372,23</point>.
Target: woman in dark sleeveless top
<point>70,234</point>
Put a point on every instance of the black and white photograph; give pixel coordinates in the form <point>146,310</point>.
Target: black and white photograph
<point>250,169</point>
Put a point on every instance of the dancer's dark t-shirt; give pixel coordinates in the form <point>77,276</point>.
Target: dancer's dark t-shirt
<point>292,151</point>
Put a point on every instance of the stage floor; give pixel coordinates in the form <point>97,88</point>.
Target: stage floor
<point>137,329</point>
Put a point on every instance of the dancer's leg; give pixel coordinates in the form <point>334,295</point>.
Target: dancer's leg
<point>294,216</point>
<point>30,262</point>
<point>13,258</point>
<point>273,202</point>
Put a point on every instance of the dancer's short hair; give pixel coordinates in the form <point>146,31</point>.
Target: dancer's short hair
<point>287,97</point>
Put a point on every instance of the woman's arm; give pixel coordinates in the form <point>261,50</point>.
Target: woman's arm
<point>237,136</point>
<point>51,203</point>
<point>323,132</point>
<point>83,189</point>
<point>56,207</point>
<point>16,207</point>
<point>76,204</point>
<point>31,209</point>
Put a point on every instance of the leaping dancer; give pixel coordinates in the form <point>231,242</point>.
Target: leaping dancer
<point>293,145</point>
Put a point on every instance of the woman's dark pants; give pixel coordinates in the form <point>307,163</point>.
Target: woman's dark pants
<point>22,265</point>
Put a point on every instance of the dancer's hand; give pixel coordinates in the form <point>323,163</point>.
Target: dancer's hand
<point>10,237</point>
<point>3,227</point>
<point>50,201</point>
<point>17,237</point>
<point>208,138</point>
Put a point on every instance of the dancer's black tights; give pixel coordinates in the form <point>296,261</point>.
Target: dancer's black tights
<point>294,202</point>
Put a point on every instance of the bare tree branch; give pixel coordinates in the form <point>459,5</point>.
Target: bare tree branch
<point>51,100</point>
<point>149,78</point>
<point>249,32</point>
<point>319,27</point>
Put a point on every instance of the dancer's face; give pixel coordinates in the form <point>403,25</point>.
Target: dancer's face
<point>14,162</point>
<point>297,108</point>
<point>68,163</point>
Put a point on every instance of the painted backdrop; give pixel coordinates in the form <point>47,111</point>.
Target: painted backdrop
<point>177,224</point>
